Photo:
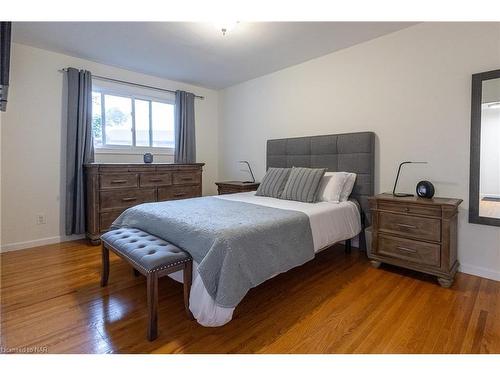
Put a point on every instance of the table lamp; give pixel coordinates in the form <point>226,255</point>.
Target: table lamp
<point>397,177</point>
<point>249,169</point>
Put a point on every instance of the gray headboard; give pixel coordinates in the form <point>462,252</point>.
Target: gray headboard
<point>350,152</point>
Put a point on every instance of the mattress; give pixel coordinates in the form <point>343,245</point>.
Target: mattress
<point>330,223</point>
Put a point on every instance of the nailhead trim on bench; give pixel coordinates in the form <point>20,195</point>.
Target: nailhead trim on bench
<point>144,269</point>
<point>169,265</point>
<point>140,266</point>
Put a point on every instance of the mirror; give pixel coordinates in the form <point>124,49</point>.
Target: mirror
<point>484,189</point>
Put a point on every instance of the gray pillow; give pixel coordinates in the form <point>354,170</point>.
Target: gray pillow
<point>303,184</point>
<point>273,183</point>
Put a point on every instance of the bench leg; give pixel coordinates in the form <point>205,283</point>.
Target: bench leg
<point>105,266</point>
<point>152,281</point>
<point>187,275</point>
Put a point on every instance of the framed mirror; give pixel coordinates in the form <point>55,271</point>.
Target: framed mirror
<point>484,184</point>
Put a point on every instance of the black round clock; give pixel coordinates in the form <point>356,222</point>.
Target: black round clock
<point>425,189</point>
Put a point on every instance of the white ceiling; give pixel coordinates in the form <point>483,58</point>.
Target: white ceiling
<point>198,53</point>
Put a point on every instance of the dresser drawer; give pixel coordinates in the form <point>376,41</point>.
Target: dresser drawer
<point>178,192</point>
<point>125,198</point>
<point>117,181</point>
<point>155,179</point>
<point>186,178</point>
<point>409,250</point>
<point>412,226</point>
<point>107,218</point>
<point>409,208</point>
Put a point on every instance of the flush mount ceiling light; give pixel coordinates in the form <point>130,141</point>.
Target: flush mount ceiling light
<point>226,27</point>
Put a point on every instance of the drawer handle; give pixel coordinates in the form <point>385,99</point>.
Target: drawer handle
<point>407,226</point>
<point>179,194</point>
<point>155,179</point>
<point>408,250</point>
<point>407,209</point>
<point>118,181</point>
<point>129,199</point>
<point>186,178</point>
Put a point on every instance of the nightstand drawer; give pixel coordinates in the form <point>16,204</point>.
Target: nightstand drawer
<point>409,208</point>
<point>232,190</point>
<point>231,187</point>
<point>411,226</point>
<point>409,250</point>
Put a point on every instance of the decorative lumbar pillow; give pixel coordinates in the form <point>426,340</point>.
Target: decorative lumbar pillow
<point>273,183</point>
<point>331,186</point>
<point>303,185</point>
<point>348,186</point>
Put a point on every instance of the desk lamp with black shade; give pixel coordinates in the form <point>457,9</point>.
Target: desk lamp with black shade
<point>250,170</point>
<point>397,177</point>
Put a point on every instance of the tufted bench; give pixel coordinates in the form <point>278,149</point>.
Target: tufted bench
<point>152,257</point>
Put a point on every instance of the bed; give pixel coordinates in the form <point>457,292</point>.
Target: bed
<point>238,241</point>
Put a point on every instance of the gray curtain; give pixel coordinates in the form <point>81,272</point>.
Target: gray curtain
<point>185,141</point>
<point>79,146</point>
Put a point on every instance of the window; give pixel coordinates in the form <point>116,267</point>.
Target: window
<point>127,122</point>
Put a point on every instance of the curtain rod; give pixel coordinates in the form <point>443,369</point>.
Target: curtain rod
<point>132,84</point>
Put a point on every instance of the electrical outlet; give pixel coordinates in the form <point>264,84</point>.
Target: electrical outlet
<point>41,219</point>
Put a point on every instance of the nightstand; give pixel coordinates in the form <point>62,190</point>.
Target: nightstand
<point>230,187</point>
<point>415,233</point>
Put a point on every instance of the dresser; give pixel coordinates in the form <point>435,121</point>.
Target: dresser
<point>112,188</point>
<point>230,187</point>
<point>415,233</point>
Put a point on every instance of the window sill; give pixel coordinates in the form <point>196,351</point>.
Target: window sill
<point>126,151</point>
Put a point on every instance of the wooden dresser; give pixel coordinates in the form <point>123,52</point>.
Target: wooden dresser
<point>230,187</point>
<point>112,188</point>
<point>415,233</point>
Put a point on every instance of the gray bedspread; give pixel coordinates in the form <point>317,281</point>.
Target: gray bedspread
<point>237,245</point>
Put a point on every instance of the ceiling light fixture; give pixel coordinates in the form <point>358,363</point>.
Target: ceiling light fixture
<point>494,105</point>
<point>226,27</point>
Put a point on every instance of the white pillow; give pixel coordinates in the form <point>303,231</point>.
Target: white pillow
<point>331,186</point>
<point>348,186</point>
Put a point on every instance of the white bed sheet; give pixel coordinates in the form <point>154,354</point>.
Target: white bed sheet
<point>330,223</point>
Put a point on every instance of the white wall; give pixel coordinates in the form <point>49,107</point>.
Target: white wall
<point>412,88</point>
<point>31,158</point>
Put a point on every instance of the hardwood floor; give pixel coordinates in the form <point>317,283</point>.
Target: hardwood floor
<point>489,209</point>
<point>337,303</point>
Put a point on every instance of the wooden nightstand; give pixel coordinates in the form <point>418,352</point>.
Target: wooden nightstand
<point>230,187</point>
<point>416,233</point>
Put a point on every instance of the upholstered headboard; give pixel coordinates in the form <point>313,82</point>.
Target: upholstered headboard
<point>351,152</point>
